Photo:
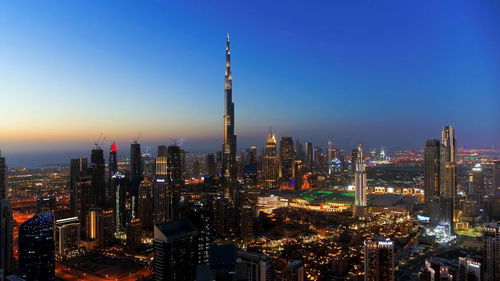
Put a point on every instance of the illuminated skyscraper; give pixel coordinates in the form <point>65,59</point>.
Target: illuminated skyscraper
<point>113,163</point>
<point>101,226</point>
<point>36,248</point>
<point>229,165</point>
<point>134,235</point>
<point>106,228</point>
<point>431,172</point>
<point>112,168</point>
<point>491,252</point>
<point>379,260</point>
<point>332,155</point>
<point>246,223</point>
<point>135,163</point>
<point>382,154</point>
<point>4,192</point>
<point>162,193</point>
<point>448,142</point>
<point>91,222</point>
<point>67,238</point>
<point>354,157</point>
<point>360,179</point>
<point>81,190</point>
<point>120,185</point>
<point>97,170</point>
<point>317,152</point>
<point>286,158</point>
<point>78,170</point>
<point>476,180</point>
<point>448,173</point>
<point>6,222</point>
<point>271,163</point>
<point>309,153</point>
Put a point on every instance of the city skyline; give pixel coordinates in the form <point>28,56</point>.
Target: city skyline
<point>278,82</point>
<point>123,155</point>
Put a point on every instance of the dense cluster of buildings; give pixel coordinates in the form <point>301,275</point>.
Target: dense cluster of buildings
<point>226,216</point>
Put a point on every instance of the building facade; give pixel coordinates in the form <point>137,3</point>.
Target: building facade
<point>36,248</point>
<point>175,251</point>
<point>360,185</point>
<point>271,163</point>
<point>229,166</point>
<point>379,260</point>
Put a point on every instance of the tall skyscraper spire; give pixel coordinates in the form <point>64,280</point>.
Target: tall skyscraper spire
<point>229,168</point>
<point>360,179</point>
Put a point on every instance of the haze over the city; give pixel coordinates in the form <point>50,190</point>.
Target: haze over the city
<point>388,74</point>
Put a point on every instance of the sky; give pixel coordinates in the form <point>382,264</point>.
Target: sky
<point>384,73</point>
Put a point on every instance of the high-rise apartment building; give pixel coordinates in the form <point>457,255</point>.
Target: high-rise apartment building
<point>175,168</point>
<point>78,171</point>
<point>6,238</point>
<point>431,172</point>
<point>135,163</point>
<point>476,180</point>
<point>309,153</point>
<point>299,151</point>
<point>134,235</point>
<point>113,161</point>
<point>448,174</point>
<point>145,207</point>
<point>36,248</point>
<point>162,192</point>
<point>120,185</point>
<point>67,238</point>
<point>211,165</point>
<point>271,163</point>
<point>254,267</point>
<point>468,269</point>
<point>379,260</point>
<point>112,169</point>
<point>287,158</point>
<point>97,171</point>
<point>491,252</point>
<point>354,156</point>
<point>174,164</point>
<point>106,228</point>
<point>175,251</point>
<point>4,191</point>
<point>496,176</point>
<point>85,200</point>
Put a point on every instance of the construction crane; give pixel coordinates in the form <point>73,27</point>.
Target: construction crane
<point>136,140</point>
<point>100,140</point>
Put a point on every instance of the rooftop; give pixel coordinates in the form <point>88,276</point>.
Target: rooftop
<point>171,231</point>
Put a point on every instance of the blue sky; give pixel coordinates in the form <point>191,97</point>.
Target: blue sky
<point>386,73</point>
